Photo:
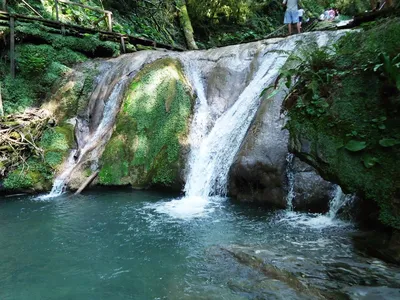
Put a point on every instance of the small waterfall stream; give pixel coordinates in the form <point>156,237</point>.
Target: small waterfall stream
<point>290,181</point>
<point>104,102</point>
<point>338,201</point>
<point>111,109</point>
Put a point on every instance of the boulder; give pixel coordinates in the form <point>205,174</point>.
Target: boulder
<point>311,192</point>
<point>258,173</point>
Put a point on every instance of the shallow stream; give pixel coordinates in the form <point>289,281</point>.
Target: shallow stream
<point>128,245</point>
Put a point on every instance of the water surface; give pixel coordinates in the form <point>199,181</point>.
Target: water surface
<point>125,245</point>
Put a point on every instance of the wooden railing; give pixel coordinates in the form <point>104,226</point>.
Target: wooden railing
<point>106,34</point>
<point>107,14</point>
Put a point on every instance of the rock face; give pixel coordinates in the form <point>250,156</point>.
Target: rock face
<point>261,173</point>
<point>132,115</point>
<point>310,191</point>
<point>264,272</point>
<point>258,173</point>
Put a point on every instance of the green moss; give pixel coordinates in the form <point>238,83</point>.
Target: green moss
<point>39,66</point>
<point>90,45</point>
<point>116,169</point>
<point>145,147</point>
<point>17,180</point>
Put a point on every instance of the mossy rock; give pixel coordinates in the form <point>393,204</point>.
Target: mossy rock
<point>151,129</point>
<point>354,139</point>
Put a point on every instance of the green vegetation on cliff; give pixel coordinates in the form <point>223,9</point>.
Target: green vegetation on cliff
<point>151,129</point>
<point>344,114</point>
<point>37,172</point>
<point>39,66</point>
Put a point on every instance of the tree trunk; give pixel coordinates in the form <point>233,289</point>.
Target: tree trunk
<point>186,24</point>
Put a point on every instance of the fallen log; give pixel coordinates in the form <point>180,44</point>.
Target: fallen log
<point>87,182</point>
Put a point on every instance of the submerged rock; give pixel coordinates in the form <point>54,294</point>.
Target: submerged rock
<point>267,272</point>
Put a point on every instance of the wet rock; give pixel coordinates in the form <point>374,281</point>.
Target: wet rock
<point>271,272</point>
<point>381,244</point>
<point>277,282</point>
<point>311,192</point>
<point>258,173</point>
<point>367,293</point>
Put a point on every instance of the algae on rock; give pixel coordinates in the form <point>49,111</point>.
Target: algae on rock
<point>151,129</point>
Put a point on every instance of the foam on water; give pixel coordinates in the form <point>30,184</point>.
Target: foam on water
<point>320,221</point>
<point>184,208</point>
<point>312,221</point>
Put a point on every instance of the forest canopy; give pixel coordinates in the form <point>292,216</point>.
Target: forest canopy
<point>214,22</point>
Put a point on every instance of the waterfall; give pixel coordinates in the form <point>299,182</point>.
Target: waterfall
<point>103,129</point>
<point>106,100</point>
<point>210,165</point>
<point>201,118</point>
<point>290,181</point>
<point>338,201</point>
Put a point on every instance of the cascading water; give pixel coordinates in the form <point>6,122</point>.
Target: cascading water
<point>338,201</point>
<point>209,170</point>
<point>109,93</point>
<point>319,221</point>
<point>187,207</point>
<point>110,112</point>
<point>212,153</point>
<point>290,181</point>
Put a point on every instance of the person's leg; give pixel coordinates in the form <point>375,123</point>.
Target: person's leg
<point>287,20</point>
<point>295,19</point>
<point>298,27</point>
<point>290,28</point>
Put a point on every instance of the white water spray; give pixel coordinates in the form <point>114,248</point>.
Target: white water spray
<point>290,181</point>
<point>109,114</point>
<point>209,170</point>
<point>338,201</point>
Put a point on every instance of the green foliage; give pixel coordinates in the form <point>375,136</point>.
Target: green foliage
<point>39,66</point>
<point>352,7</point>
<point>388,142</point>
<point>226,22</point>
<point>90,44</point>
<point>391,68</point>
<point>145,147</point>
<point>355,137</point>
<point>17,94</point>
<point>58,138</point>
<point>355,146</point>
<point>17,180</point>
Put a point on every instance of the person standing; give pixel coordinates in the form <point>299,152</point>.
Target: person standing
<point>301,14</point>
<point>291,14</point>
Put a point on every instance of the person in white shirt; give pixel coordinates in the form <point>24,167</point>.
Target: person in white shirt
<point>291,14</point>
<point>301,13</point>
